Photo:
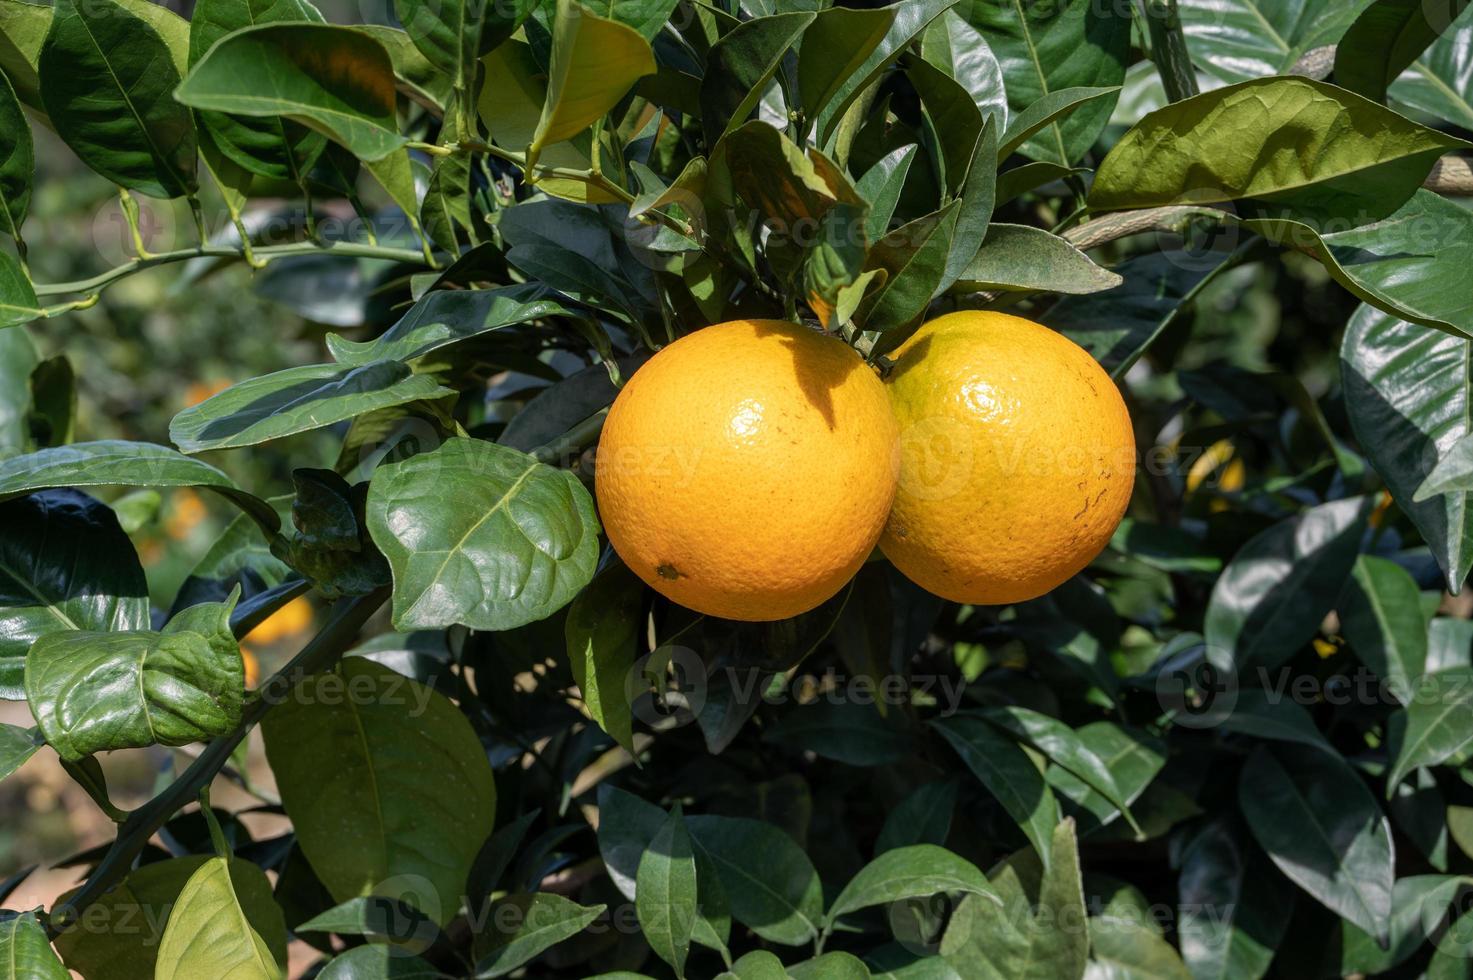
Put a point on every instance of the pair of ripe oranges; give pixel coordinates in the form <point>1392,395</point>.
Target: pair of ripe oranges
<point>749,469</point>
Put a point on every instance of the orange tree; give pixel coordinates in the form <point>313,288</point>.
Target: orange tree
<point>1233,746</point>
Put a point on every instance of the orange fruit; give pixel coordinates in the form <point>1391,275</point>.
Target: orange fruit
<point>746,470</point>
<point>1017,458</point>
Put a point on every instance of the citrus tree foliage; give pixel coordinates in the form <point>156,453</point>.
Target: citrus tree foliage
<point>1236,746</point>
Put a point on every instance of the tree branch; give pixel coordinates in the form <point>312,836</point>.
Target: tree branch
<point>1169,50</point>
<point>342,627</point>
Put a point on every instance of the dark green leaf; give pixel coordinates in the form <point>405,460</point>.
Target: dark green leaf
<point>297,399</point>
<point>1418,904</point>
<point>445,317</point>
<point>1385,39</point>
<point>1045,49</point>
<point>848,731</point>
<point>17,161</point>
<point>481,535</point>
<point>336,80</point>
<point>779,897</point>
<point>23,28</point>
<point>378,961</point>
<point>626,825</point>
<point>881,186</point>
<point>836,45</point>
<point>914,258</point>
<point>18,302</point>
<point>960,50</point>
<point>1273,715</point>
<point>108,82</point>
<point>65,566</point>
<point>1439,82</point>
<point>495,857</point>
<point>18,358</point>
<point>1040,931</point>
<point>1438,723</point>
<point>209,933</point>
<point>830,966</point>
<point>923,817</point>
<point>1021,258</point>
<point>1381,617</point>
<point>526,925</point>
<point>1273,594</point>
<point>1320,824</point>
<point>916,871</point>
<point>97,691</point>
<point>911,18</point>
<point>16,746</point>
<point>373,915</point>
<point>119,463</point>
<point>1132,758</point>
<point>1452,474</point>
<point>1123,949</point>
<point>1318,151</point>
<point>388,788</point>
<point>1007,772</point>
<point>1047,111</point>
<point>666,897</point>
<point>602,632</point>
<point>1233,912</point>
<point>1236,40</point>
<point>1406,391</point>
<point>741,65</point>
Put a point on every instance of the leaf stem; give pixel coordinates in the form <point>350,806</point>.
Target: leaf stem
<point>264,254</point>
<point>342,627</point>
<point>576,439</point>
<point>1169,49</point>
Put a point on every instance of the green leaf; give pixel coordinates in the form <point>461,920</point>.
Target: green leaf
<point>1419,904</point>
<point>494,858</point>
<point>18,359</point>
<point>740,66</point>
<point>1452,474</point>
<point>830,966</point>
<point>960,50</point>
<point>779,897</point>
<point>18,303</point>
<point>594,62</point>
<point>1273,715</point>
<point>881,186</point>
<point>445,212</point>
<point>914,258</point>
<point>1410,265</point>
<point>1384,41</point>
<point>449,33</point>
<point>297,399</point>
<point>1235,40</point>
<point>1406,392</point>
<point>378,961</point>
<point>1315,150</point>
<point>448,316</point>
<point>1045,49</point>
<point>923,817</point>
<point>65,566</point>
<point>387,786</point>
<point>1320,825</point>
<point>92,691</point>
<point>270,146</point>
<point>1021,258</point>
<point>1064,748</point>
<point>1272,596</point>
<point>666,902</point>
<point>836,45</point>
<point>1047,111</point>
<point>119,463</point>
<point>1438,82</point>
<point>335,80</point>
<point>602,632</point>
<point>209,933</point>
<point>25,952</point>
<point>1381,617</point>
<point>481,535</point>
<point>1007,772</point>
<point>1436,725</point>
<point>1132,758</point>
<point>16,746</point>
<point>626,825</point>
<point>371,915</point>
<point>119,936</point>
<point>1038,933</point>
<point>107,79</point>
<point>17,162</point>
<point>526,925</point>
<point>848,731</point>
<point>916,871</point>
<point>1121,949</point>
<point>1234,913</point>
<point>23,28</point>
<point>911,18</point>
